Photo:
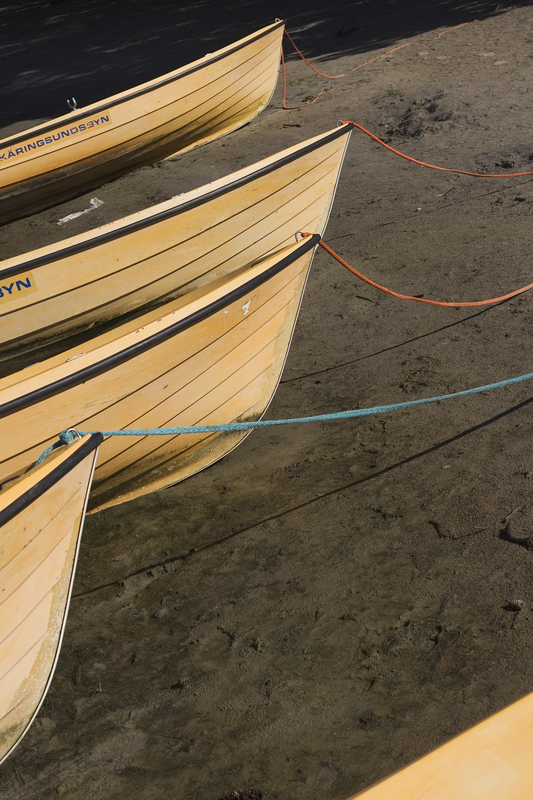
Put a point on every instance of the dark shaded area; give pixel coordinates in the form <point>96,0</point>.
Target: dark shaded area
<point>253,793</point>
<point>93,56</point>
<point>522,541</point>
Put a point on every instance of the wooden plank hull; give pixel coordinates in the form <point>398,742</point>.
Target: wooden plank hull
<point>214,356</point>
<point>172,114</point>
<point>41,517</point>
<point>492,761</point>
<point>172,248</point>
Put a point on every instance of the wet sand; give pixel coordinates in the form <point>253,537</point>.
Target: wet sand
<point>332,601</point>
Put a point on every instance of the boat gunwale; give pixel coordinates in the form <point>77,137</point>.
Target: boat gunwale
<point>66,144</point>
<point>164,80</point>
<point>177,209</point>
<point>48,481</point>
<point>96,438</point>
<point>133,350</point>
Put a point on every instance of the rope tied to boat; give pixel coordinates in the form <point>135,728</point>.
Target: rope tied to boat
<point>469,304</point>
<point>65,437</point>
<point>372,135</point>
<point>445,304</point>
<point>343,74</point>
<point>433,166</point>
<point>71,434</point>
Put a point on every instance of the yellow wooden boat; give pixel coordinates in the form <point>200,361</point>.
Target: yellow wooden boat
<point>172,114</point>
<point>41,517</point>
<point>173,247</point>
<point>213,356</point>
<point>492,761</point>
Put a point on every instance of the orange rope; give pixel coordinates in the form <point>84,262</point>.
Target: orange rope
<point>372,135</point>
<point>432,166</point>
<point>382,55</point>
<point>291,40</point>
<point>343,74</point>
<point>420,299</point>
<point>310,103</point>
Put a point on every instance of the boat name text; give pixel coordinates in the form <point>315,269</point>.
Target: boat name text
<point>56,136</point>
<point>16,285</point>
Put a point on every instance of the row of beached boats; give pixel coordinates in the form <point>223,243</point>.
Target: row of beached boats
<point>178,315</point>
<point>223,276</point>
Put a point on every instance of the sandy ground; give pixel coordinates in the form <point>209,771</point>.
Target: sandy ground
<point>329,602</point>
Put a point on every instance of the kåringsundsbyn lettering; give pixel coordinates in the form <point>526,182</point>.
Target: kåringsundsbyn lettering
<point>59,135</point>
<point>20,284</point>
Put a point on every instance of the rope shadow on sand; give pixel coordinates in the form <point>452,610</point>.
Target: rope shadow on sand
<point>161,565</point>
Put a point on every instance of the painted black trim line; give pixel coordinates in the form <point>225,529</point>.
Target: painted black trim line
<point>151,341</point>
<point>109,105</point>
<point>36,491</point>
<point>175,210</point>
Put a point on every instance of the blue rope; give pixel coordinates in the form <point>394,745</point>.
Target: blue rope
<point>357,412</point>
<point>46,453</point>
<point>65,437</point>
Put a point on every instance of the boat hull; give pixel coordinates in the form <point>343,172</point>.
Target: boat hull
<point>212,357</point>
<point>41,517</point>
<point>172,248</point>
<point>491,761</point>
<point>172,114</point>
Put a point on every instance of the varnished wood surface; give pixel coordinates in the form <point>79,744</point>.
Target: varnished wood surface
<point>173,247</point>
<point>213,356</point>
<point>41,517</point>
<point>186,108</point>
<point>492,761</point>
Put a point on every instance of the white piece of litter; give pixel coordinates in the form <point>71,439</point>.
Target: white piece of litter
<point>94,203</point>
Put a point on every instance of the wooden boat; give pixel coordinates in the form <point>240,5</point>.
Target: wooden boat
<point>491,761</point>
<point>172,114</point>
<point>171,248</point>
<point>213,356</point>
<point>41,517</point>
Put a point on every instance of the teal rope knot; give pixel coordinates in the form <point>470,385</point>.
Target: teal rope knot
<point>65,437</point>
